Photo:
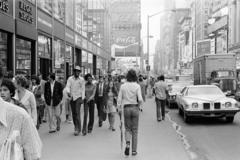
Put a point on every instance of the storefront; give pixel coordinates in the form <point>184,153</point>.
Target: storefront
<point>26,36</point>
<point>44,55</point>
<point>44,52</point>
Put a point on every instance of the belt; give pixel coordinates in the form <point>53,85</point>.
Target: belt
<point>130,105</point>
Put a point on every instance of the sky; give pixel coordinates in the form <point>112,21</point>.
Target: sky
<point>149,7</point>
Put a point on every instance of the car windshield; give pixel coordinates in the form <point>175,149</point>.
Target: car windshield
<point>204,91</point>
<point>225,74</point>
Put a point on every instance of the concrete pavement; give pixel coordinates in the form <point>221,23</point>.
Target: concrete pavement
<point>210,138</point>
<point>157,140</point>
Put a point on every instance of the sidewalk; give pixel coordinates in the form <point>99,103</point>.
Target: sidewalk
<point>157,140</point>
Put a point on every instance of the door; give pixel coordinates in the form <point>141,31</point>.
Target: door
<point>45,67</point>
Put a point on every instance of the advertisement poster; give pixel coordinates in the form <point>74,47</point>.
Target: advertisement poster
<point>126,27</point>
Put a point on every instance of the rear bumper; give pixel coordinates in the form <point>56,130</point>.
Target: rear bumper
<point>212,113</point>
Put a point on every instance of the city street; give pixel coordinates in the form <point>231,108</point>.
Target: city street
<point>211,139</point>
<point>156,141</point>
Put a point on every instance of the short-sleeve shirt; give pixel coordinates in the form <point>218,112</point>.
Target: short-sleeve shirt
<point>160,90</point>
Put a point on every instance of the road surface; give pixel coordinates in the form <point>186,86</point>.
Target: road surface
<point>157,140</point>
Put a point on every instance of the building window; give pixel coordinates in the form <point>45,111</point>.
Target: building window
<point>23,56</point>
<point>45,5</point>
<point>78,16</point>
<point>69,13</point>
<point>3,50</point>
<point>58,9</point>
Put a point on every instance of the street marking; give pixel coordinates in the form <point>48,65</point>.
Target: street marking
<point>192,155</point>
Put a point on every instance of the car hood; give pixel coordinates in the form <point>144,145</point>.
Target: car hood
<point>209,98</point>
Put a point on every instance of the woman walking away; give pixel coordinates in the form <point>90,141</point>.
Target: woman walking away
<point>130,97</point>
<point>7,91</point>
<point>26,97</point>
<point>111,98</point>
<point>90,90</point>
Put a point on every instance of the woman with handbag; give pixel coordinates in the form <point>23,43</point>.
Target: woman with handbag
<point>111,99</point>
<point>130,98</point>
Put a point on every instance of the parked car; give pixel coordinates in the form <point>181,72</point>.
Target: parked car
<point>206,101</point>
<point>174,89</point>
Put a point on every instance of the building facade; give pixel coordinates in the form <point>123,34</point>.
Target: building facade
<point>53,36</point>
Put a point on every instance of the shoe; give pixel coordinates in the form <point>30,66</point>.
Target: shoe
<point>58,128</point>
<point>84,133</point>
<point>163,118</point>
<point>134,153</point>
<point>76,133</point>
<point>159,120</point>
<point>100,124</point>
<point>44,121</point>
<point>127,151</point>
<point>113,129</point>
<point>53,131</point>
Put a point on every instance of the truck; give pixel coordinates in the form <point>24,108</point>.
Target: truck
<point>217,69</point>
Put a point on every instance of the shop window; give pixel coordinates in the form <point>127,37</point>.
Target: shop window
<point>44,47</point>
<point>69,59</point>
<point>23,56</point>
<point>3,50</point>
<point>59,50</point>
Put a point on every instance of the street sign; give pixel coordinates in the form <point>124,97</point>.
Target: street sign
<point>148,68</point>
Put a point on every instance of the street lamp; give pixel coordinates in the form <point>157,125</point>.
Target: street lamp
<point>148,36</point>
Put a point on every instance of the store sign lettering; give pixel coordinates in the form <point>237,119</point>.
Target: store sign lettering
<point>125,40</point>
<point>25,12</point>
<point>4,6</point>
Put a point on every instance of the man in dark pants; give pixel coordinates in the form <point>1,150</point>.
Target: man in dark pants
<point>160,90</point>
<point>53,96</point>
<point>100,100</point>
<point>76,91</point>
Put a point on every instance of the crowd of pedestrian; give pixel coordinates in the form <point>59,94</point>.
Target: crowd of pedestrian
<point>39,101</point>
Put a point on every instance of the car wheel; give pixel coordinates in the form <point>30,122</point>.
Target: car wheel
<point>230,119</point>
<point>186,117</point>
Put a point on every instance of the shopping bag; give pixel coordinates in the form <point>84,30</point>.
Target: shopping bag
<point>11,150</point>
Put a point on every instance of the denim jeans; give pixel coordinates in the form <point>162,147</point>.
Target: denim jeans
<point>160,106</point>
<point>131,118</point>
<point>75,106</point>
<point>88,108</point>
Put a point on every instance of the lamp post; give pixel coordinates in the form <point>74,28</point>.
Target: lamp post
<point>148,17</point>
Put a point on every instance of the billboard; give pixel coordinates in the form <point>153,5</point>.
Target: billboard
<point>126,27</point>
<point>203,47</point>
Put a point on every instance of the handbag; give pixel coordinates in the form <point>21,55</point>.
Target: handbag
<point>11,150</point>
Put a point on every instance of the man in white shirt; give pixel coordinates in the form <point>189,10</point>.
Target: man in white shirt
<point>160,90</point>
<point>76,91</point>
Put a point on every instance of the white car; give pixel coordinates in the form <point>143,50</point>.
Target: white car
<point>205,101</point>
